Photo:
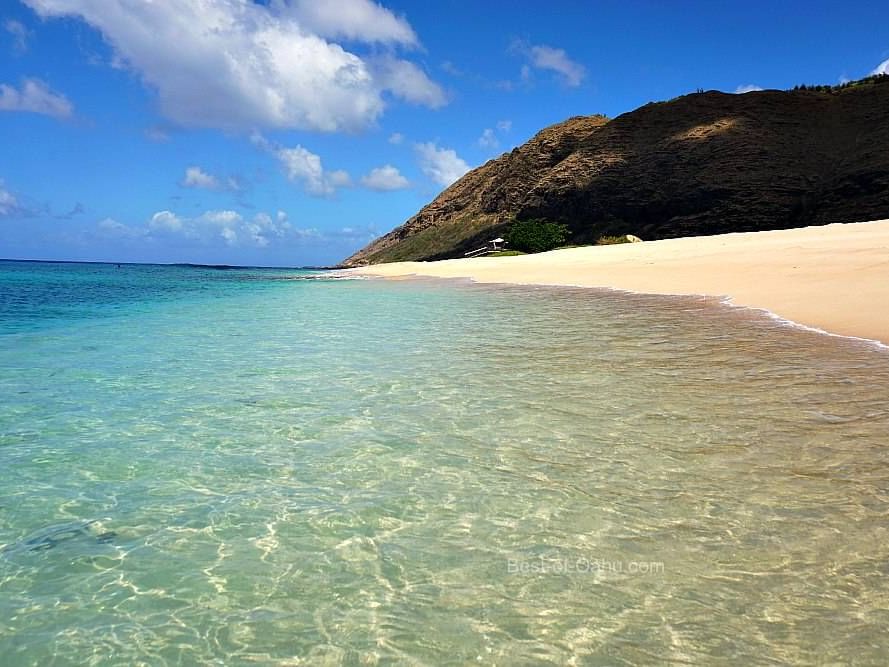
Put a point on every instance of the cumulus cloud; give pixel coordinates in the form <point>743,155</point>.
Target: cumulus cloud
<point>396,138</point>
<point>359,20</point>
<point>211,228</point>
<point>220,226</point>
<point>240,64</point>
<point>488,139</point>
<point>304,167</point>
<point>20,35</point>
<point>749,88</point>
<point>34,96</point>
<point>882,68</point>
<point>409,82</point>
<point>195,177</point>
<point>111,228</point>
<point>551,59</point>
<point>15,206</point>
<point>9,205</point>
<point>442,165</point>
<point>385,179</point>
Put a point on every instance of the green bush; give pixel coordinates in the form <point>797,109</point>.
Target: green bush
<point>536,235</point>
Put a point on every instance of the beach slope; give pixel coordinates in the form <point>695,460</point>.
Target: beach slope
<point>832,277</point>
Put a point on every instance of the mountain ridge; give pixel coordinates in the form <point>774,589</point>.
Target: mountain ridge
<point>700,164</point>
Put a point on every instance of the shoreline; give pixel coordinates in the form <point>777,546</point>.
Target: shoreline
<point>833,278</point>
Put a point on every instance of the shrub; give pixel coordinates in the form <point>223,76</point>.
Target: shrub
<point>505,253</point>
<point>536,235</point>
<point>612,240</point>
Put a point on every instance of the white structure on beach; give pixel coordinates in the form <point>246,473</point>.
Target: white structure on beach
<point>494,245</point>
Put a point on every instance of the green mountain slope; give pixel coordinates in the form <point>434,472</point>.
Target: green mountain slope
<point>705,163</point>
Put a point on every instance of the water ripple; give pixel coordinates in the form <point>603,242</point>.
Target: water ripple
<point>371,472</point>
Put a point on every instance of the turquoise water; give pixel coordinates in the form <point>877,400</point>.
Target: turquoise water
<point>235,467</point>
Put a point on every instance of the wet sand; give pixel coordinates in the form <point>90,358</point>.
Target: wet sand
<point>834,277</point>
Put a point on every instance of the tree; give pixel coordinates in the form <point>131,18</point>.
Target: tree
<point>536,235</point>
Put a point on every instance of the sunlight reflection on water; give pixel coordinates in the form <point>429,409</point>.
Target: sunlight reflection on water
<point>367,471</point>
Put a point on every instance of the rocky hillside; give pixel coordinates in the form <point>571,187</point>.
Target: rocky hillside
<point>700,164</point>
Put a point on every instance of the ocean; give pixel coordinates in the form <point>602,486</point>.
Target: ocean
<point>269,466</point>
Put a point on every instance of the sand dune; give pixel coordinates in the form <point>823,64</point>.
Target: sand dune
<point>834,277</point>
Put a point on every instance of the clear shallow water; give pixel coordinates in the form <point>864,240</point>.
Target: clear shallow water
<point>351,472</point>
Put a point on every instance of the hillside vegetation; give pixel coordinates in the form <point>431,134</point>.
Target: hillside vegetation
<point>705,163</point>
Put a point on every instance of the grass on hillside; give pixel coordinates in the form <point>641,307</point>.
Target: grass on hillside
<point>506,253</point>
<point>432,240</point>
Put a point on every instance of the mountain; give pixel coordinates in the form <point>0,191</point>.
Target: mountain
<point>700,164</point>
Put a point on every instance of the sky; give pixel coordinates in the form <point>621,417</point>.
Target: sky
<point>293,132</point>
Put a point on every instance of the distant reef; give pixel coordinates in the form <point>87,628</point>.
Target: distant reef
<point>700,164</point>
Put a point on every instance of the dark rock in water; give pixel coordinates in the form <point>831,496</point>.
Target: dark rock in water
<point>55,535</point>
<point>705,163</point>
<point>52,536</point>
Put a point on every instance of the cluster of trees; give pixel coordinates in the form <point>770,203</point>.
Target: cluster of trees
<point>818,89</point>
<point>536,235</point>
<point>876,78</point>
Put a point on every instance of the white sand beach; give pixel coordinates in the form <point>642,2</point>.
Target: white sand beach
<point>834,277</point>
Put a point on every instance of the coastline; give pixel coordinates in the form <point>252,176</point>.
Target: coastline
<point>832,278</point>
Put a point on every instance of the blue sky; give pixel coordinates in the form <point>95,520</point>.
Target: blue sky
<point>291,132</point>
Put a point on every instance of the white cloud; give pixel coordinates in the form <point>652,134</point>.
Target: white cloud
<point>555,60</point>
<point>157,134</point>
<point>195,177</point>
<point>339,178</point>
<point>214,228</point>
<point>304,167</point>
<point>882,68</point>
<point>20,35</point>
<point>34,96</point>
<point>488,139</point>
<point>749,88</point>
<point>384,179</point>
<point>165,221</point>
<point>111,228</point>
<point>359,20</point>
<point>396,138</point>
<point>228,227</point>
<point>451,68</point>
<point>442,165</point>
<point>240,64</point>
<point>8,203</point>
<point>526,73</point>
<point>409,82</point>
